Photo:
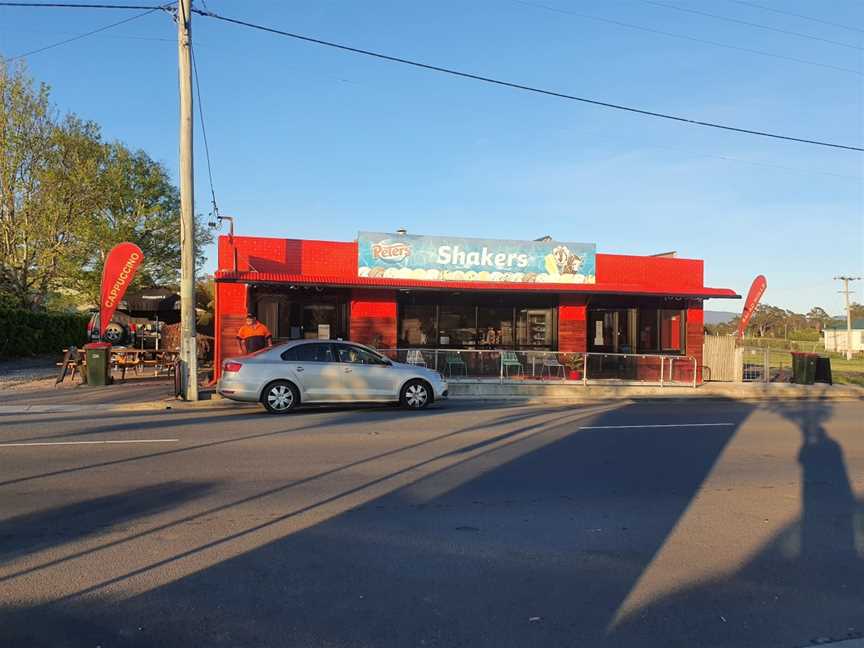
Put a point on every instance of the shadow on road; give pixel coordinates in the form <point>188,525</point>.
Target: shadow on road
<point>807,583</point>
<point>25,534</point>
<point>532,537</point>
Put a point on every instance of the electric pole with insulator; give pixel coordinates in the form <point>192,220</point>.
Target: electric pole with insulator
<point>846,292</point>
<point>188,343</point>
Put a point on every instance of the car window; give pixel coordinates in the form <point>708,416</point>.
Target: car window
<point>309,353</point>
<point>356,355</point>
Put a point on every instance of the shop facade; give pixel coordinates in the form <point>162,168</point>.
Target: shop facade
<point>394,291</point>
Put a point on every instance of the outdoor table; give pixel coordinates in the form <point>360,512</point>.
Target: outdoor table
<point>125,357</point>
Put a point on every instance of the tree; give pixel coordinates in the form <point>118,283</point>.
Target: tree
<point>26,130</point>
<point>857,310</point>
<point>205,301</point>
<point>767,319</point>
<point>139,204</point>
<point>818,318</point>
<point>67,197</point>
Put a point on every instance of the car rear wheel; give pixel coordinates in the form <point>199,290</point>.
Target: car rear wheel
<point>280,397</point>
<point>416,394</point>
<point>115,333</point>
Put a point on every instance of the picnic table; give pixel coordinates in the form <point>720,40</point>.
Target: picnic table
<point>122,358</point>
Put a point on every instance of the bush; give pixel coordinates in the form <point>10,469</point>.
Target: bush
<point>24,333</point>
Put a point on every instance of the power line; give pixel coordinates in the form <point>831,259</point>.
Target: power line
<point>85,35</point>
<point>76,5</point>
<point>519,86</point>
<point>749,24</point>
<point>796,15</point>
<point>685,37</point>
<point>203,130</point>
<point>770,165</point>
<point>112,36</point>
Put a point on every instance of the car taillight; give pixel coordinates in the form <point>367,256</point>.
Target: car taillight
<point>232,366</point>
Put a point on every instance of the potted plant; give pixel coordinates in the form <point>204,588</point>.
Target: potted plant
<point>574,364</point>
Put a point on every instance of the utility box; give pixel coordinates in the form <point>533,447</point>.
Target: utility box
<point>98,357</point>
<point>804,368</point>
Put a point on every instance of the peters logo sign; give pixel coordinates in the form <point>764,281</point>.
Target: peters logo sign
<point>390,251</point>
<point>121,264</point>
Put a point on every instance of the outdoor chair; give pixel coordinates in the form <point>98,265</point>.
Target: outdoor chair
<point>454,359</point>
<point>550,363</point>
<point>509,359</point>
<point>415,357</point>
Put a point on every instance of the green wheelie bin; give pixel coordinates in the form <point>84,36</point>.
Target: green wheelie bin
<point>804,368</point>
<point>98,356</point>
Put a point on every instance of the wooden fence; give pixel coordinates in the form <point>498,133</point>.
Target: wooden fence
<point>718,356</point>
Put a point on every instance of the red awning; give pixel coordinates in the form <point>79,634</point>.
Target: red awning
<point>409,284</point>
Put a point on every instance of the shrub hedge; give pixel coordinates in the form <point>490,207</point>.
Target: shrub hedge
<point>24,333</point>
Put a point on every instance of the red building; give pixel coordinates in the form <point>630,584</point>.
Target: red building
<point>318,289</point>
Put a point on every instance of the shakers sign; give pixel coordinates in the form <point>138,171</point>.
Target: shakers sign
<point>120,266</point>
<point>433,258</point>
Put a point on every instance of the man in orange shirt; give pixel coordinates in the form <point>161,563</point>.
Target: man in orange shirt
<point>253,335</point>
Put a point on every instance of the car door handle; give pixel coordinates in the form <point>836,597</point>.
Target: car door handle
<point>299,368</point>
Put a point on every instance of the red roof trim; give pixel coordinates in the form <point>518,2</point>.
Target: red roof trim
<point>368,282</point>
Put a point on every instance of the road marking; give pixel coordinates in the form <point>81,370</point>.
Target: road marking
<point>60,443</point>
<point>662,425</point>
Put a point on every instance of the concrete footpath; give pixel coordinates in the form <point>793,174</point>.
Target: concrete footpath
<point>157,394</point>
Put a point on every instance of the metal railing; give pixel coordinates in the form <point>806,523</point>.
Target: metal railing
<point>505,365</point>
<point>755,365</point>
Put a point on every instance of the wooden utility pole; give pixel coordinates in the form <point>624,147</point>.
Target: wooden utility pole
<point>188,342</point>
<point>846,292</point>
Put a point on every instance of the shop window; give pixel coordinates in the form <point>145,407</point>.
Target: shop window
<point>457,326</point>
<point>535,328</point>
<point>267,310</point>
<point>672,331</point>
<point>319,321</point>
<point>417,327</point>
<point>495,327</point>
<point>612,330</point>
<point>648,339</point>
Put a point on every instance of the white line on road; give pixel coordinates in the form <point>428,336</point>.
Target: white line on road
<point>662,425</point>
<point>60,443</point>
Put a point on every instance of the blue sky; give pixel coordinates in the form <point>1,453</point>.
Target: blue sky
<point>315,143</point>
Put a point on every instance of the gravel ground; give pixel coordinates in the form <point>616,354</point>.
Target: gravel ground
<point>27,371</point>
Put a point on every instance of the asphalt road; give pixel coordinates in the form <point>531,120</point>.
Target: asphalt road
<point>667,524</point>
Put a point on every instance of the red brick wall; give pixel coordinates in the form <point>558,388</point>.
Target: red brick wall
<point>572,324</point>
<point>652,274</point>
<point>292,256</point>
<point>373,318</point>
<point>231,310</point>
<point>695,338</point>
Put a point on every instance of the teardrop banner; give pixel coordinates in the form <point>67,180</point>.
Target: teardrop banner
<point>756,290</point>
<point>121,264</point>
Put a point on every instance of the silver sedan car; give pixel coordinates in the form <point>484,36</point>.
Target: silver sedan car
<point>316,371</point>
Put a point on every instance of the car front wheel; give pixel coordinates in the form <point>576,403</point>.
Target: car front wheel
<point>280,397</point>
<point>416,394</point>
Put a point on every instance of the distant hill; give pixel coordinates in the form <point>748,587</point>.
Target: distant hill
<point>719,317</point>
